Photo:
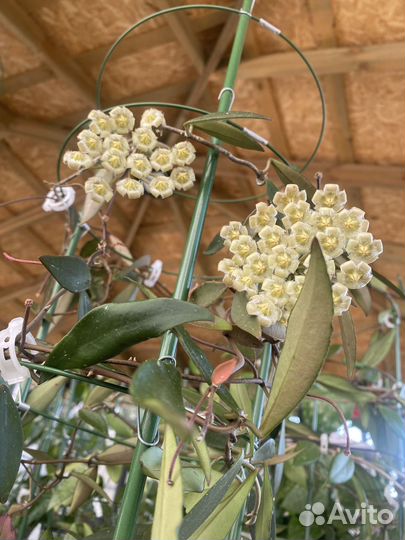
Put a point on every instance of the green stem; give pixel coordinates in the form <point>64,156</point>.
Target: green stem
<point>125,529</point>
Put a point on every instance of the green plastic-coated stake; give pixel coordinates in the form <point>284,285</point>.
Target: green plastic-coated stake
<point>125,529</point>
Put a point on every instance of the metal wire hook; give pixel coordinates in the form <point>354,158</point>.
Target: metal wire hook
<point>227,89</point>
<point>140,436</point>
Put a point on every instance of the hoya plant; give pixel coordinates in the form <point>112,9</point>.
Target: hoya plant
<point>252,437</point>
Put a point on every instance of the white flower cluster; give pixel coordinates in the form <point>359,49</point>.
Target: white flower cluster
<point>130,157</point>
<point>271,252</point>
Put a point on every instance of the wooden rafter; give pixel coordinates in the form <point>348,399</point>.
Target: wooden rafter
<point>382,58</point>
<point>30,33</point>
<point>134,43</point>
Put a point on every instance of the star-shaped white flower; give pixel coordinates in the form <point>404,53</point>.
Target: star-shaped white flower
<point>140,165</point>
<point>89,143</point>
<point>283,260</point>
<point>352,221</point>
<point>270,237</point>
<point>243,246</point>
<point>144,139</point>
<point>183,153</point>
<point>291,194</point>
<point>330,197</point>
<point>153,118</point>
<point>363,247</point>
<point>128,187</point>
<point>295,212</point>
<point>77,160</point>
<point>162,159</point>
<point>183,178</point>
<point>332,242</point>
<point>263,307</point>
<point>116,144</point>
<point>341,300</point>
<point>100,191</point>
<point>232,231</point>
<point>264,216</point>
<point>354,275</point>
<point>123,120</point>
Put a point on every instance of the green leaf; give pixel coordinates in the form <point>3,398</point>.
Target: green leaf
<point>343,388</point>
<point>11,446</point>
<point>169,500</point>
<point>72,273</point>
<point>84,304</point>
<point>348,341</point>
<point>193,477</point>
<point>201,361</point>
<point>264,515</point>
<point>379,349</point>
<point>342,469</point>
<point>117,454</point>
<point>241,395</point>
<point>306,345</point>
<point>157,386</point>
<point>94,419</point>
<point>110,329</point>
<point>266,451</point>
<point>201,448</point>
<point>221,116</point>
<point>216,244</point>
<point>229,134</point>
<point>208,293</point>
<point>241,318</point>
<point>389,283</point>
<point>289,175</point>
<point>84,488</point>
<point>362,298</point>
<point>271,190</point>
<point>42,395</point>
<point>121,428</point>
<point>393,419</point>
<point>220,521</point>
<point>208,504</point>
<point>308,453</point>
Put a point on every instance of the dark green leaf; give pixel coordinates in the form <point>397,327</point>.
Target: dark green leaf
<point>110,329</point>
<point>230,134</point>
<point>348,341</point>
<point>342,469</point>
<point>208,293</point>
<point>362,298</point>
<point>306,345</point>
<point>220,116</point>
<point>389,283</point>
<point>241,318</point>
<point>157,386</point>
<point>264,516</point>
<point>11,445</point>
<point>379,349</point>
<point>84,304</point>
<point>308,453</point>
<point>206,506</point>
<point>393,419</point>
<point>72,273</point>
<point>345,389</point>
<point>289,175</point>
<point>89,248</point>
<point>195,354</point>
<point>219,523</point>
<point>216,244</point>
<point>271,190</point>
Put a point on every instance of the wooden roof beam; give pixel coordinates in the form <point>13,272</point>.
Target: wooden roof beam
<point>32,35</point>
<point>180,25</point>
<point>134,43</point>
<point>382,58</point>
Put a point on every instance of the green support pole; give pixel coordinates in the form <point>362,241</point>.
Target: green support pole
<point>132,498</point>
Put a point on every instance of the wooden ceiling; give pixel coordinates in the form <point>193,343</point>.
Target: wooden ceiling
<point>51,51</point>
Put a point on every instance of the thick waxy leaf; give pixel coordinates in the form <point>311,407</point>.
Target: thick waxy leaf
<point>220,522</point>
<point>265,452</point>
<point>306,345</point>
<point>344,389</point>
<point>208,504</point>
<point>72,273</point>
<point>362,298</point>
<point>342,469</point>
<point>201,448</point>
<point>271,190</point>
<point>157,386</point>
<point>193,477</point>
<point>348,341</point>
<point>379,349</point>
<point>118,454</point>
<point>216,244</point>
<point>308,453</point>
<point>229,133</point>
<point>83,490</point>
<point>42,395</point>
<point>94,419</point>
<point>220,116</point>
<point>288,175</point>
<point>264,516</point>
<point>208,294</point>
<point>241,318</point>
<point>11,445</point>
<point>110,329</point>
<point>169,499</point>
<point>201,361</point>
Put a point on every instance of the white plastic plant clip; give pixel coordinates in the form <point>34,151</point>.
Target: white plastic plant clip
<point>10,368</point>
<point>59,199</point>
<point>324,443</point>
<point>155,272</point>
